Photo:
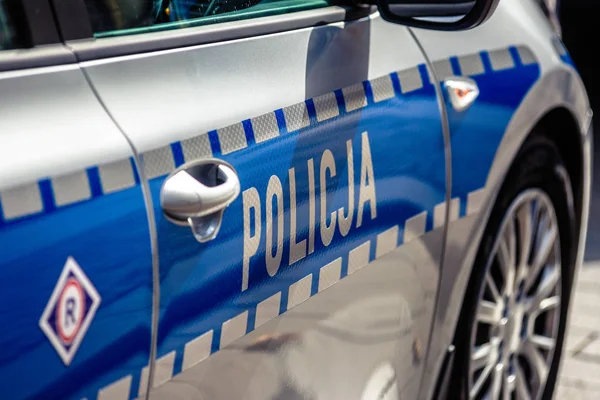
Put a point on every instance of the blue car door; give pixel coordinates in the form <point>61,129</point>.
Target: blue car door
<point>326,144</point>
<point>75,255</point>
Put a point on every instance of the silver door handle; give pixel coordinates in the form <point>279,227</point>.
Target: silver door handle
<point>197,194</point>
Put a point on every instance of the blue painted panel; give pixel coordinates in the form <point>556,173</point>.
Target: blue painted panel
<point>477,132</point>
<point>201,284</point>
<point>108,237</point>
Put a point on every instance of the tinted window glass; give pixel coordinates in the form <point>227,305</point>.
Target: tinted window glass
<point>12,26</point>
<point>121,17</point>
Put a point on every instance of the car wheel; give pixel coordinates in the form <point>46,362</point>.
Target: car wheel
<point>511,330</point>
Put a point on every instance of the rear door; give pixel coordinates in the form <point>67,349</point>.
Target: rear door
<point>322,277</point>
<point>75,257</point>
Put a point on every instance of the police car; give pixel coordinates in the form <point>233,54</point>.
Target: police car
<point>287,199</point>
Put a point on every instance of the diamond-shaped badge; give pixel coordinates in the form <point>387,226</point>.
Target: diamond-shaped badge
<point>70,310</point>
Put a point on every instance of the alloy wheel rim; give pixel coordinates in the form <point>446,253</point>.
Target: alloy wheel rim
<point>518,310</point>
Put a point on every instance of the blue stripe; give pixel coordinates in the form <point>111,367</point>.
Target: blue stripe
<point>248,131</point>
<point>424,75</point>
<point>368,92</point>
<point>312,111</point>
<point>339,98</point>
<point>177,151</point>
<point>47,195</point>
<point>429,221</point>
<point>178,363</point>
<point>136,175</point>
<point>284,301</point>
<point>281,121</point>
<point>515,56</point>
<point>216,339</point>
<point>463,205</point>
<point>344,271</point>
<point>94,179</point>
<point>251,322</point>
<point>215,146</point>
<point>455,66</point>
<point>396,84</point>
<point>487,64</point>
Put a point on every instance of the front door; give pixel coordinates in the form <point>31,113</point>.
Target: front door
<point>322,277</point>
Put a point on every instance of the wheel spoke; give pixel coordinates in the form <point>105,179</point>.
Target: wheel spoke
<point>481,380</point>
<point>542,342</point>
<point>505,259</point>
<point>509,386</point>
<point>543,250</point>
<point>549,303</point>
<point>493,287</point>
<point>521,385</point>
<point>537,363</point>
<point>497,380</point>
<point>525,234</point>
<point>545,288</point>
<point>488,312</point>
<point>483,356</point>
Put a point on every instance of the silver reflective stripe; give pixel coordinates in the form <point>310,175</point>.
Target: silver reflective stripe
<point>383,89</point>
<point>267,309</point>
<point>501,59</point>
<point>359,257</point>
<point>443,69</point>
<point>296,117</point>
<point>116,176</point>
<point>414,227</point>
<point>354,97</point>
<point>232,138</point>
<point>197,350</point>
<point>475,201</point>
<point>471,64</point>
<point>234,328</point>
<point>330,274</point>
<point>410,80</point>
<point>527,57</point>
<point>265,127</point>
<point>326,107</point>
<point>71,188</point>
<point>386,241</point>
<point>196,148</point>
<point>158,162</point>
<point>21,201</point>
<point>118,390</point>
<point>299,291</point>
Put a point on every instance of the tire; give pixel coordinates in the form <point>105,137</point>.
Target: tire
<point>538,175</point>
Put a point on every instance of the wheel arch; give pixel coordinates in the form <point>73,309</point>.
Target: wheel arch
<point>556,106</point>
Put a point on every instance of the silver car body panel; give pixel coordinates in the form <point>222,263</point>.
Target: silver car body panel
<point>381,326</point>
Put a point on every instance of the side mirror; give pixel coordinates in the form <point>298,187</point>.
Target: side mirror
<point>445,15</point>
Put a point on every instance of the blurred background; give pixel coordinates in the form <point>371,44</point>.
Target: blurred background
<point>580,378</point>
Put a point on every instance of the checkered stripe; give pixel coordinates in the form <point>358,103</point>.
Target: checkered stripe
<point>50,194</point>
<point>201,347</point>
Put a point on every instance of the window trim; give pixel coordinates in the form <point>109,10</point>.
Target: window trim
<point>35,57</point>
<point>91,48</point>
<point>47,47</point>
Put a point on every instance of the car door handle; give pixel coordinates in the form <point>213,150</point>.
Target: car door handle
<point>197,194</point>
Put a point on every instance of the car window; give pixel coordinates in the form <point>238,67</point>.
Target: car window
<point>12,26</point>
<point>123,17</point>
